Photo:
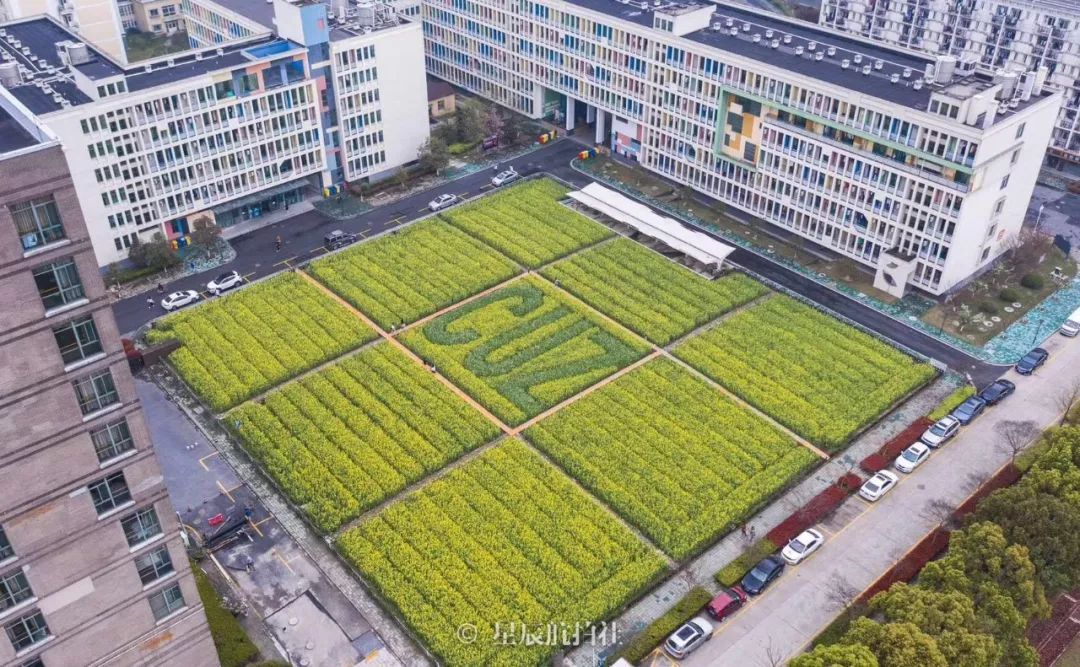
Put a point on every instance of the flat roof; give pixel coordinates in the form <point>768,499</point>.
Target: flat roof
<point>258,11</point>
<point>187,66</point>
<point>13,136</point>
<point>41,36</point>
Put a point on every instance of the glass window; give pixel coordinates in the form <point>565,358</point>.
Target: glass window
<point>14,588</point>
<point>96,392</point>
<point>77,339</point>
<point>112,440</point>
<point>58,283</point>
<point>37,222</point>
<point>109,493</point>
<point>166,601</point>
<point>141,526</point>
<point>6,551</point>
<point>27,630</point>
<point>33,662</point>
<point>154,565</point>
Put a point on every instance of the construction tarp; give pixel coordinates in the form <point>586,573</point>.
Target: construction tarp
<point>672,233</point>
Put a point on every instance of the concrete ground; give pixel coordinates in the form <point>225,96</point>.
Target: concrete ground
<point>1061,214</point>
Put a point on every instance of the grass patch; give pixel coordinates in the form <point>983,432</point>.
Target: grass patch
<point>733,572</point>
<point>656,632</point>
<point>231,641</point>
<point>950,402</point>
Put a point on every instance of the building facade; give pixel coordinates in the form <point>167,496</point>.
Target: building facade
<point>162,17</point>
<point>97,21</point>
<point>999,35</point>
<point>92,567</point>
<point>914,167</point>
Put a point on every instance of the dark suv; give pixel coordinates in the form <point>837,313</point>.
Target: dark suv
<point>338,239</point>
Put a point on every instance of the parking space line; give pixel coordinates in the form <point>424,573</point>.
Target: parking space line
<point>321,248</point>
<point>285,261</point>
<point>422,210</point>
<point>485,187</point>
<point>364,232</point>
<point>246,277</point>
<point>227,492</point>
<point>255,527</point>
<point>283,561</point>
<point>202,461</point>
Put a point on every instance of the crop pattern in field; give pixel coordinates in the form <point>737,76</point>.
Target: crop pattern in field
<point>506,540</point>
<point>346,438</point>
<point>674,456</point>
<point>819,377</point>
<point>646,292</point>
<point>527,223</point>
<point>523,348</point>
<point>400,278</point>
<point>240,345</point>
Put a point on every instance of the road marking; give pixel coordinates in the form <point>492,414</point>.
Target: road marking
<point>227,491</point>
<point>285,261</point>
<point>255,527</point>
<point>283,561</point>
<point>364,232</point>
<point>247,276</point>
<point>321,248</point>
<point>424,210</point>
<point>485,187</point>
<point>202,461</point>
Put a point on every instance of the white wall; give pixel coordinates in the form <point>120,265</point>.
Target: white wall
<point>399,56</point>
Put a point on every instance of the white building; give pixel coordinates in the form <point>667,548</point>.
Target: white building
<point>911,166</point>
<point>1000,35</point>
<point>97,21</point>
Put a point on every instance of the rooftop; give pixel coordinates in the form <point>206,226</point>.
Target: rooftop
<point>13,136</point>
<point>189,64</point>
<point>438,89</point>
<point>258,11</point>
<point>19,129</point>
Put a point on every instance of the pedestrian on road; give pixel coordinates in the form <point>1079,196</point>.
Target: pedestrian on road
<point>160,288</point>
<point>249,564</point>
<point>277,243</point>
<point>150,303</point>
<point>753,532</point>
<point>743,531</point>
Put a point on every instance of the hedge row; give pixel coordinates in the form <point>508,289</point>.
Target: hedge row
<point>657,631</point>
<point>951,401</point>
<point>733,572</point>
<point>817,509</point>
<point>891,449</point>
<point>910,564</point>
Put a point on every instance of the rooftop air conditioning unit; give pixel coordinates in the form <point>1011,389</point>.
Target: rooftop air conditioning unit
<point>866,69</point>
<point>148,68</point>
<point>756,38</point>
<point>734,32</point>
<point>917,85</point>
<point>894,78</point>
<point>768,34</point>
<point>819,56</point>
<point>775,44</point>
<point>878,64</point>
<point>845,63</point>
<point>746,27</point>
<point>730,22</point>
<point>811,46</point>
<point>787,39</point>
<point>907,72</point>
<point>858,58</point>
<point>799,50</point>
<point>832,51</point>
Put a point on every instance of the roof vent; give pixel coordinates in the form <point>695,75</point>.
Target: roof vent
<point>845,63</point>
<point>866,69</point>
<point>221,52</point>
<point>917,85</point>
<point>58,98</point>
<point>148,68</point>
<point>878,64</point>
<point>811,46</point>
<point>858,58</point>
<point>799,50</point>
<point>756,38</point>
<point>894,78</point>
<point>819,56</point>
<point>9,75</point>
<point>832,51</point>
<point>198,55</point>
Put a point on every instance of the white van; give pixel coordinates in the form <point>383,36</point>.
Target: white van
<point>1072,325</point>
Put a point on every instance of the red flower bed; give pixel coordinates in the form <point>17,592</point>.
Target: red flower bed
<point>874,462</point>
<point>815,510</point>
<point>1000,480</point>
<point>907,567</point>
<point>904,438</point>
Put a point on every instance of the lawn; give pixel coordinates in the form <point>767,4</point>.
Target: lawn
<point>505,541</point>
<point>237,346</point>
<point>672,455</point>
<point>523,348</point>
<point>819,377</point>
<point>346,438</point>
<point>527,223</point>
<point>400,278</point>
<point>648,293</point>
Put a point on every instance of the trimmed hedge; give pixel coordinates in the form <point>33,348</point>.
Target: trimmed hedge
<point>815,510</point>
<point>874,463</point>
<point>657,631</point>
<point>1009,295</point>
<point>231,641</point>
<point>951,401</point>
<point>905,438</point>
<point>733,572</point>
<point>1032,281</point>
<point>909,564</point>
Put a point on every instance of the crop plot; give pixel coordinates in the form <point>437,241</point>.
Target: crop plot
<point>240,345</point>
<point>523,348</point>
<point>674,456</point>
<point>505,539</point>
<point>346,438</point>
<point>819,377</point>
<point>400,278</point>
<point>527,223</point>
<point>647,293</point>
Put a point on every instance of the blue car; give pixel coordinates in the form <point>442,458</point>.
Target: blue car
<point>966,412</point>
<point>1031,361</point>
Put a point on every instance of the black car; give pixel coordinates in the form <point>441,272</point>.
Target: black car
<point>338,239</point>
<point>966,412</point>
<point>1031,361</point>
<point>997,392</point>
<point>763,574</point>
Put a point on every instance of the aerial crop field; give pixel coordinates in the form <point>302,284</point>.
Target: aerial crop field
<point>402,277</point>
<point>819,377</point>
<point>504,539</point>
<point>523,348</point>
<point>240,345</point>
<point>527,223</point>
<point>648,293</point>
<point>671,454</point>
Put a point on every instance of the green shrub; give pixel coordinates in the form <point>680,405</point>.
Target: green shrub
<point>951,401</point>
<point>1032,281</point>
<point>657,631</point>
<point>460,148</point>
<point>1009,295</point>
<point>232,643</point>
<point>988,307</point>
<point>734,571</point>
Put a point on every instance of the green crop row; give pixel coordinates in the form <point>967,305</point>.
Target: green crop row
<point>504,543</point>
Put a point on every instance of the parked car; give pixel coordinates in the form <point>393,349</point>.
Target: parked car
<point>690,636</point>
<point>179,299</point>
<point>504,177</point>
<point>225,281</point>
<point>338,239</point>
<point>800,548</point>
<point>941,432</point>
<point>877,486</point>
<point>912,457</point>
<point>726,603</point>
<point>763,574</point>
<point>442,201</point>
<point>966,412</point>
<point>1031,361</point>
<point>997,392</point>
<point>1072,325</point>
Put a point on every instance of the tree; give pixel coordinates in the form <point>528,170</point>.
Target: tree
<point>493,122</point>
<point>1027,248</point>
<point>1066,397</point>
<point>840,592</point>
<point>1013,436</point>
<point>156,254</point>
<point>896,644</point>
<point>511,130</point>
<point>204,233</point>
<point>939,510</point>
<point>468,125</point>
<point>837,655</point>
<point>433,155</point>
<point>401,177</point>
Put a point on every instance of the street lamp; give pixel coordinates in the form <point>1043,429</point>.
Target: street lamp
<point>1038,218</point>
<point>1038,327</point>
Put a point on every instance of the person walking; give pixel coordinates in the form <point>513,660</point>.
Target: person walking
<point>277,243</point>
<point>149,303</point>
<point>160,288</point>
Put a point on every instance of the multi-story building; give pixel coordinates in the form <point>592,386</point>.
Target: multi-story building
<point>158,16</point>
<point>1001,36</point>
<point>910,165</point>
<point>97,21</point>
<point>92,567</point>
<point>229,132</point>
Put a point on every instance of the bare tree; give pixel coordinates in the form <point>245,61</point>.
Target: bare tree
<point>840,592</point>
<point>774,657</point>
<point>1066,397</point>
<point>1026,248</point>
<point>1013,436</point>
<point>973,480</point>
<point>941,511</point>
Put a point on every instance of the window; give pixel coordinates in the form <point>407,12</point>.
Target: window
<point>14,588</point>
<point>112,440</point>
<point>6,551</point>
<point>77,339</point>
<point>27,630</point>
<point>985,254</point>
<point>109,493</point>
<point>1020,130</point>
<point>96,392</point>
<point>33,662</point>
<point>37,222</point>
<point>141,526</point>
<point>1005,182</point>
<point>58,283</point>
<point>153,12</point>
<point>999,206</point>
<point>154,565</point>
<point>166,601</point>
<point>1015,157</point>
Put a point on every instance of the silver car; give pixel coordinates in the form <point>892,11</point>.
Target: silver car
<point>179,299</point>
<point>941,432</point>
<point>504,177</point>
<point>690,636</point>
<point>442,201</point>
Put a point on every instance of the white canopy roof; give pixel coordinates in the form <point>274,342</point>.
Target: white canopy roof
<point>671,233</point>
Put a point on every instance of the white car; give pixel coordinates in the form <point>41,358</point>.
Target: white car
<point>442,201</point>
<point>942,430</point>
<point>504,177</point>
<point>225,281</point>
<point>179,299</point>
<point>690,636</point>
<point>800,548</point>
<point>912,457</point>
<point>878,485</point>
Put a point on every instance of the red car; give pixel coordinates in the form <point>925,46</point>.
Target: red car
<point>726,603</point>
